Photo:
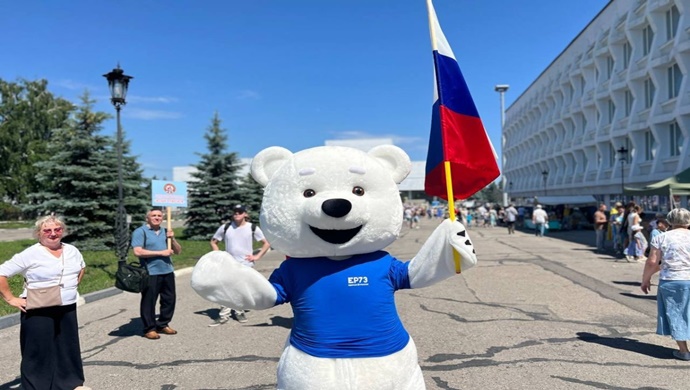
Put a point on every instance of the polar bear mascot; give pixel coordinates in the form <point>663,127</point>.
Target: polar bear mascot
<point>332,210</point>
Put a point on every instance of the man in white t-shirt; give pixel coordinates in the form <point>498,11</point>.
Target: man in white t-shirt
<point>539,218</point>
<point>511,216</point>
<point>239,236</point>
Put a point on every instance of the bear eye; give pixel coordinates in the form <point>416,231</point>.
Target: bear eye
<point>359,191</point>
<point>309,193</point>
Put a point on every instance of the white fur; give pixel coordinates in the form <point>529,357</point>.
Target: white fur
<point>219,278</point>
<point>297,188</point>
<point>286,215</point>
<point>398,371</point>
<point>434,262</point>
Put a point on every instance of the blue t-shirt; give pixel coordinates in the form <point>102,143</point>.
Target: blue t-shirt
<point>346,308</point>
<point>157,265</point>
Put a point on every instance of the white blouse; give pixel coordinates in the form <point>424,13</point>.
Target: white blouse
<point>675,252</point>
<point>42,269</point>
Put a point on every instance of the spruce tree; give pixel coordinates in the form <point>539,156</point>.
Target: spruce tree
<point>216,190</point>
<point>79,180</point>
<point>252,195</point>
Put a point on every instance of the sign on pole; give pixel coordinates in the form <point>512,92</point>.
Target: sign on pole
<point>169,194</point>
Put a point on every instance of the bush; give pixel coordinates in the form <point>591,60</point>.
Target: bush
<point>10,212</point>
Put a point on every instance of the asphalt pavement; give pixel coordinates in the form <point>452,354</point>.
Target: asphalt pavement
<point>535,313</point>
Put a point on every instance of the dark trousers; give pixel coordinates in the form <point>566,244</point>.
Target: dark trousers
<point>49,343</point>
<point>163,286</point>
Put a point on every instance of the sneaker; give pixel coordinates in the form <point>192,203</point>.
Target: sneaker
<point>219,321</point>
<point>224,312</point>
<point>681,355</point>
<point>240,317</point>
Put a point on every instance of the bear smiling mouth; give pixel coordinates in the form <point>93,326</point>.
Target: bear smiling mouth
<point>336,236</point>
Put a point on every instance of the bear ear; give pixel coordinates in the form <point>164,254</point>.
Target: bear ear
<point>267,162</point>
<point>394,159</point>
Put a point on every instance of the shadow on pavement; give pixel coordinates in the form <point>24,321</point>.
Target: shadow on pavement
<point>213,314</point>
<point>626,283</point>
<point>283,322</point>
<point>626,344</point>
<point>133,328</point>
<point>11,385</point>
<point>639,296</point>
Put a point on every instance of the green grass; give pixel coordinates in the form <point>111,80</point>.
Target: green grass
<point>100,266</point>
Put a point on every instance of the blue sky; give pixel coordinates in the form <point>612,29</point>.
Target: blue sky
<point>286,73</point>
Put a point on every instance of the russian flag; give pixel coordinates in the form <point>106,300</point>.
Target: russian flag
<point>457,134</point>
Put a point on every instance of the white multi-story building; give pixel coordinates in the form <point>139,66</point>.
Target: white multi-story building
<point>611,111</point>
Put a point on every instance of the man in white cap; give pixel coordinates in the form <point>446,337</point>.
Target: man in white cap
<point>238,237</point>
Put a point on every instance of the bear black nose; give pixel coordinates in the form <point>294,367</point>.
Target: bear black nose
<point>336,208</point>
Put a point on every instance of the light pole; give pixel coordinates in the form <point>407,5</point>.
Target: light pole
<point>501,89</point>
<point>118,82</point>
<point>623,152</point>
<point>545,174</point>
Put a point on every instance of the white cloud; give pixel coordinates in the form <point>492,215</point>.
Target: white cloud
<point>151,99</point>
<point>140,113</point>
<point>73,85</point>
<point>399,140</point>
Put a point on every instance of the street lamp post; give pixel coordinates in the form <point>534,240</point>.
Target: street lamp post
<point>623,152</point>
<point>501,89</point>
<point>545,174</point>
<point>118,83</point>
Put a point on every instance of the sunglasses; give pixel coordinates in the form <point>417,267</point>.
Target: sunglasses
<point>57,230</point>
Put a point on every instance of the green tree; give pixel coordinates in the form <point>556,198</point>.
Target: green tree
<point>252,195</point>
<point>216,190</point>
<point>79,179</point>
<point>28,114</point>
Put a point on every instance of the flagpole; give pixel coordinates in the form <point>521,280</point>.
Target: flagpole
<point>446,164</point>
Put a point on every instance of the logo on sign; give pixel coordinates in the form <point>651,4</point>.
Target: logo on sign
<point>169,188</point>
<point>355,281</point>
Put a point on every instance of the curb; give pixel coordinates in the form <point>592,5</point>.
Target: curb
<point>13,319</point>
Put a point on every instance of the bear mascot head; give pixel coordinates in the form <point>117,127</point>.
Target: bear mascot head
<point>331,201</point>
<point>332,211</point>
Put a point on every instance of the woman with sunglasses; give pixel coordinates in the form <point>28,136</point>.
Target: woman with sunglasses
<point>49,336</point>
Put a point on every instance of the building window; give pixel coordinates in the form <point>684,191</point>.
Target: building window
<point>596,74</point>
<point>672,18</point>
<point>648,145</point>
<point>649,91</point>
<point>627,54</point>
<point>676,139</point>
<point>628,102</point>
<point>612,156</point>
<point>609,67</point>
<point>584,124</point>
<point>675,78</point>
<point>611,110</point>
<point>647,38</point>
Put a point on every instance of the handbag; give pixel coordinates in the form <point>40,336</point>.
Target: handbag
<point>37,298</point>
<point>132,277</point>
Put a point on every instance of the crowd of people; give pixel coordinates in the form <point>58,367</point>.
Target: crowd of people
<point>49,332</point>
<point>52,270</point>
